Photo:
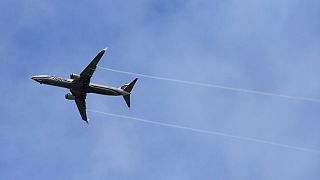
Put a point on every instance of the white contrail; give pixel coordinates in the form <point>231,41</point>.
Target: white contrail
<point>216,133</point>
<point>248,91</point>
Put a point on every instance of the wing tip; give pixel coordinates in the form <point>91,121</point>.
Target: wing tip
<point>105,49</point>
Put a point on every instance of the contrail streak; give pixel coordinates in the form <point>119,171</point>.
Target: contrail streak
<point>216,133</point>
<point>248,91</point>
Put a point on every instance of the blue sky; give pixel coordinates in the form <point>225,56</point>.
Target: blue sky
<point>265,45</point>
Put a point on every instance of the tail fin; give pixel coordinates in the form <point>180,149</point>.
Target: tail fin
<point>128,88</point>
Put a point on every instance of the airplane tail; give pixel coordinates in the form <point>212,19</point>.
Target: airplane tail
<point>128,88</point>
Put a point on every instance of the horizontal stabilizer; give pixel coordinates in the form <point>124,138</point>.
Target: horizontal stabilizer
<point>128,88</point>
<point>127,99</point>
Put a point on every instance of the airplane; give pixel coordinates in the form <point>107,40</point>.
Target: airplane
<point>79,85</point>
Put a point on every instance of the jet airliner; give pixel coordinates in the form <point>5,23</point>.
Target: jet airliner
<point>79,85</point>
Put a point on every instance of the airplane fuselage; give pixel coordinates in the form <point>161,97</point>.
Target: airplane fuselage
<point>79,86</point>
<point>70,84</point>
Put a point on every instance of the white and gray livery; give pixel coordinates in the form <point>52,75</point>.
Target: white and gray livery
<point>79,85</point>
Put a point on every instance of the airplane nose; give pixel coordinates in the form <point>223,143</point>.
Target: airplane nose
<point>36,78</point>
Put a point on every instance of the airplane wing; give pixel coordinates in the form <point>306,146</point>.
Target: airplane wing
<point>87,73</point>
<point>81,104</point>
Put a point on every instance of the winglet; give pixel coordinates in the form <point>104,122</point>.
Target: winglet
<point>105,49</point>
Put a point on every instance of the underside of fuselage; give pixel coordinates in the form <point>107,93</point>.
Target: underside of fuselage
<point>74,86</point>
<point>105,90</point>
<point>54,81</point>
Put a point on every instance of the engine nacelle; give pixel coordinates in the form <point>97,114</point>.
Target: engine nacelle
<point>70,96</point>
<point>74,76</point>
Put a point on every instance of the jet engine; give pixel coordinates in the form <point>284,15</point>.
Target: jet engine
<point>74,76</point>
<point>70,96</point>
